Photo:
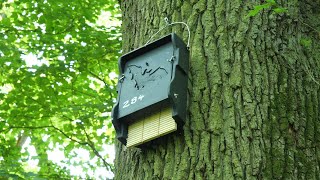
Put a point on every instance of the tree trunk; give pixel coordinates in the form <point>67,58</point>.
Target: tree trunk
<point>253,91</point>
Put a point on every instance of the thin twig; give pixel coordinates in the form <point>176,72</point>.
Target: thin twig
<point>308,25</point>
<point>91,145</point>
<point>104,82</point>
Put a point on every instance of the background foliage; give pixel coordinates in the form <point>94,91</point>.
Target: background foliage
<point>57,80</point>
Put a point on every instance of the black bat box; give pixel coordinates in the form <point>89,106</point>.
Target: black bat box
<point>152,88</point>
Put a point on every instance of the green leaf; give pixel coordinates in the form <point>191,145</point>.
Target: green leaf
<point>280,10</point>
<point>306,42</point>
<point>259,8</point>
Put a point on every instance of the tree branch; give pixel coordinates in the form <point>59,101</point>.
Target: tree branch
<point>89,142</point>
<point>41,127</point>
<point>102,80</point>
<point>95,151</point>
<point>70,138</point>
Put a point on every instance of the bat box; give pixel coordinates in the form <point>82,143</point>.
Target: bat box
<point>152,91</point>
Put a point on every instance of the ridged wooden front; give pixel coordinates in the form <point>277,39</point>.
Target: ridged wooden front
<point>151,127</point>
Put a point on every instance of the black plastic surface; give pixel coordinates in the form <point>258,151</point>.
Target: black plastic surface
<point>150,76</point>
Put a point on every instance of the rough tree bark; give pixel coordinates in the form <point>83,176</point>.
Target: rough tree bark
<point>254,95</point>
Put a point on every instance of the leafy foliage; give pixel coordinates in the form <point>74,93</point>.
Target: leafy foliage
<point>57,69</point>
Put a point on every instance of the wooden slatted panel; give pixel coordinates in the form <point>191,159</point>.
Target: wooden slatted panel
<point>135,132</point>
<point>167,123</point>
<point>151,127</point>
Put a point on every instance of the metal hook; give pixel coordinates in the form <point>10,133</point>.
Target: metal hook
<point>121,78</point>
<point>167,21</point>
<point>171,24</point>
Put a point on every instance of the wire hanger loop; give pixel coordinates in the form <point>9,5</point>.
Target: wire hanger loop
<point>171,24</point>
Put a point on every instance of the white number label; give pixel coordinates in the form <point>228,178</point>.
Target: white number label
<point>132,101</point>
<point>126,104</point>
<point>141,97</point>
